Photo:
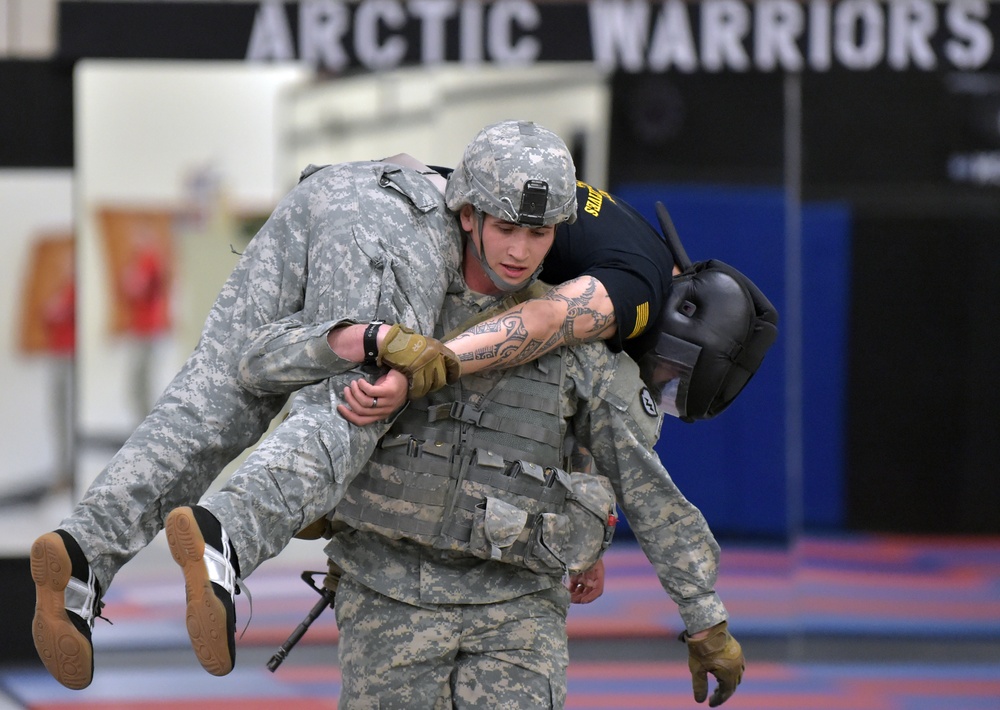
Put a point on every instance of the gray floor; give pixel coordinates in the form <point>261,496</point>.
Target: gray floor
<point>832,649</point>
<point>758,650</point>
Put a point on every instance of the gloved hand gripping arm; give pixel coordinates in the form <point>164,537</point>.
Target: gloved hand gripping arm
<point>428,363</point>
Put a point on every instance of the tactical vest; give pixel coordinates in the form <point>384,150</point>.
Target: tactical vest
<point>475,468</point>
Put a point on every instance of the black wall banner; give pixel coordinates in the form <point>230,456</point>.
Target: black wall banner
<point>36,114</point>
<point>627,35</point>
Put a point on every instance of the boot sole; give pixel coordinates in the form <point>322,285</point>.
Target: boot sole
<point>67,654</point>
<point>206,615</point>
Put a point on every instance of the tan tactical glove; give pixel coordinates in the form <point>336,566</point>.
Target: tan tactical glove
<point>428,363</point>
<point>719,654</point>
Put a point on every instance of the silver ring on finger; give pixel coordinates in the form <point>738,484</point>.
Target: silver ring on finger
<point>374,402</point>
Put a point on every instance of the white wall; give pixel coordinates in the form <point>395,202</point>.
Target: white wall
<point>142,130</point>
<point>432,113</point>
<point>32,202</point>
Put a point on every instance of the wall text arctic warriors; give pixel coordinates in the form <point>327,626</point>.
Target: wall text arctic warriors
<point>713,35</point>
<point>631,35</point>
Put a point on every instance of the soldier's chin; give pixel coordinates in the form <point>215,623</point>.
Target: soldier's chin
<point>526,281</point>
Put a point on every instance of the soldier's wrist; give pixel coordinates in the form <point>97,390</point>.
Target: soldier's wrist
<point>346,342</point>
<point>370,342</point>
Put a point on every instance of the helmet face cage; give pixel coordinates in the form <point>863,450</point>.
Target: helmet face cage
<point>516,171</point>
<point>715,328</point>
<point>667,370</point>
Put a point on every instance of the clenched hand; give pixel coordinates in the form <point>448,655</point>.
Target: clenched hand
<point>428,363</point>
<point>719,654</point>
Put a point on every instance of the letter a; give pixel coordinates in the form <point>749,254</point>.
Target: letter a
<point>271,37</point>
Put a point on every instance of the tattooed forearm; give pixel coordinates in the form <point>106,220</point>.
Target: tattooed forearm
<point>514,346</point>
<point>584,322</point>
<point>510,327</point>
<point>511,354</point>
<point>576,312</point>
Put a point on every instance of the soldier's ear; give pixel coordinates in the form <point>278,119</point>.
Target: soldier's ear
<point>467,217</point>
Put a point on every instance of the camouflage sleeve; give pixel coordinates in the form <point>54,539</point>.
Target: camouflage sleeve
<point>620,428</point>
<point>286,355</point>
<point>383,247</point>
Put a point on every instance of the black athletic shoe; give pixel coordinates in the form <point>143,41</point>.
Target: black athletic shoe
<point>201,547</point>
<point>67,600</point>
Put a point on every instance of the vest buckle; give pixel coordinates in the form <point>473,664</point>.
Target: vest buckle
<point>466,413</point>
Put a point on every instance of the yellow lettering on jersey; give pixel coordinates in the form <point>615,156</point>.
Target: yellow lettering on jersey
<point>595,198</point>
<point>641,319</point>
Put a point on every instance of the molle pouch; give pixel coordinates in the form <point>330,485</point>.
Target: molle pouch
<point>572,541</point>
<point>496,525</point>
<point>545,553</point>
<point>590,511</point>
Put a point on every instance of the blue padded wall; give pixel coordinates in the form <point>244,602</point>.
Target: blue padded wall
<point>734,467</point>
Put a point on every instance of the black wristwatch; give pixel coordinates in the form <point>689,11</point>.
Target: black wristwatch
<point>370,343</point>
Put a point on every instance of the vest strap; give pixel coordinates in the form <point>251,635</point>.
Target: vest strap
<point>468,414</point>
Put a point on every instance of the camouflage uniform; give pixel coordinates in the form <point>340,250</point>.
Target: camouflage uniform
<point>300,472</point>
<point>424,626</point>
<point>427,628</point>
<point>397,656</point>
<point>355,241</point>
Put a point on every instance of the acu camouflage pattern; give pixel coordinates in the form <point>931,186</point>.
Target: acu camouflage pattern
<point>591,520</point>
<point>383,644</point>
<point>501,159</point>
<point>613,423</point>
<point>300,471</point>
<point>505,655</point>
<point>477,468</point>
<point>415,573</point>
<point>601,394</point>
<point>352,241</point>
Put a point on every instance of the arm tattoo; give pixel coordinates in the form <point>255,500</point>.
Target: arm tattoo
<point>584,322</point>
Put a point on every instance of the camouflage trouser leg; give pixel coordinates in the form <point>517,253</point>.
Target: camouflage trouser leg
<point>200,423</point>
<point>299,473</point>
<point>293,478</point>
<point>509,654</point>
<point>352,241</point>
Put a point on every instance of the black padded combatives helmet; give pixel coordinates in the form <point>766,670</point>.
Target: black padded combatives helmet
<point>714,331</point>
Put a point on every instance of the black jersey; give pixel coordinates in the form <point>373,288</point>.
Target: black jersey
<point>616,245</point>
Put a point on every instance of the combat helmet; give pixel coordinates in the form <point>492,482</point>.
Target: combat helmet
<point>516,171</point>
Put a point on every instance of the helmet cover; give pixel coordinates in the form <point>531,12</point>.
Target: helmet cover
<point>516,171</point>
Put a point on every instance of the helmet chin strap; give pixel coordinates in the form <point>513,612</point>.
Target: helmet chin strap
<point>494,276</point>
